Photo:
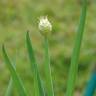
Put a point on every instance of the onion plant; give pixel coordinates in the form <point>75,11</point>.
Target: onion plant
<point>76,51</point>
<point>45,28</point>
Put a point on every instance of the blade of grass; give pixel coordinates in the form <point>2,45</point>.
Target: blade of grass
<point>39,90</point>
<point>47,68</point>
<point>75,56</point>
<point>10,88</point>
<point>17,81</point>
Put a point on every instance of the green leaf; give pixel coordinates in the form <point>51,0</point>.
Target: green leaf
<point>76,51</point>
<point>17,81</point>
<point>9,91</point>
<point>47,68</point>
<point>39,90</point>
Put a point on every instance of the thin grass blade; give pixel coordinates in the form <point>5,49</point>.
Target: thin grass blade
<point>75,56</point>
<point>39,89</point>
<point>17,81</point>
<point>9,91</point>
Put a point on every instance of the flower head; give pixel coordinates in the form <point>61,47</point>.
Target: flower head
<point>44,25</point>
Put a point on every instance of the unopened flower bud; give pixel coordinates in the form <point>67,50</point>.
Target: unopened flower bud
<point>45,26</point>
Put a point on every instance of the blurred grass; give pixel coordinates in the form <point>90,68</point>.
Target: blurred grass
<point>18,16</point>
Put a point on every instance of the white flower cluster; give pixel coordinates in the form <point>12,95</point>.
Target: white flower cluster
<point>44,24</point>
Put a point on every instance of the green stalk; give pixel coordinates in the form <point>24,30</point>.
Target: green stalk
<point>76,51</point>
<point>15,77</point>
<point>47,68</point>
<point>39,90</point>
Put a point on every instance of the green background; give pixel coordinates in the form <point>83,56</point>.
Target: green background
<point>19,16</point>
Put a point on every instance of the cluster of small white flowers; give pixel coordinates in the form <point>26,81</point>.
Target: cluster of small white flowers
<point>44,24</point>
